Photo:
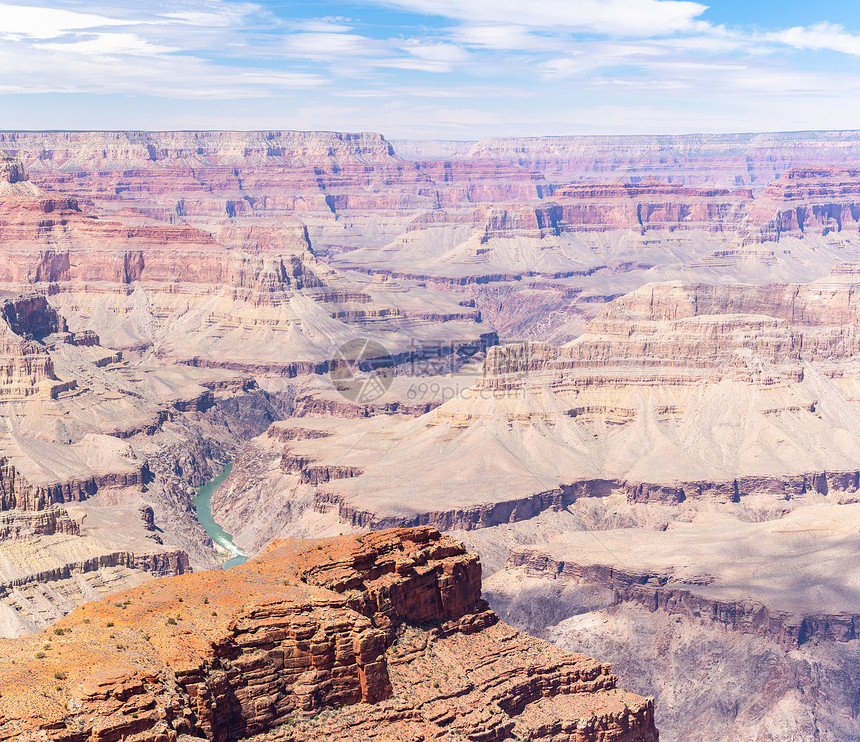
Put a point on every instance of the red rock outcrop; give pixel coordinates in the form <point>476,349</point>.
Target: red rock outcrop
<point>128,277</point>
<point>383,632</point>
<point>649,205</point>
<point>801,202</point>
<point>808,201</point>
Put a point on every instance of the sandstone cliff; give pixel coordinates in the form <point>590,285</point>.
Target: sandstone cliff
<point>385,634</point>
<point>97,463</point>
<point>709,159</point>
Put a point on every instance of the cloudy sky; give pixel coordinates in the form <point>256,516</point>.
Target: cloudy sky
<point>448,69</point>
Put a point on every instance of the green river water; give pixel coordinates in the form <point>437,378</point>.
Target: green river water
<point>203,503</point>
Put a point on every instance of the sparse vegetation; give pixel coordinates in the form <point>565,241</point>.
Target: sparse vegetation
<point>171,621</point>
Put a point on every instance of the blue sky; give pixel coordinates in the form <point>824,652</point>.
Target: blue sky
<point>447,69</point>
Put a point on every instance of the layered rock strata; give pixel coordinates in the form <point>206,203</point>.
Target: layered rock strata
<point>724,160</point>
<point>243,295</point>
<point>384,633</point>
<point>247,208</point>
<point>97,460</point>
<point>675,394</point>
<point>759,611</point>
<point>696,570</point>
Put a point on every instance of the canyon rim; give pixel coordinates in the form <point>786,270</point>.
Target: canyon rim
<point>416,370</point>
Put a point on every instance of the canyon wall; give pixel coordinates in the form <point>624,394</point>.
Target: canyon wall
<point>518,228</point>
<point>678,317</point>
<point>675,393</point>
<point>710,159</point>
<point>741,617</point>
<point>324,637</point>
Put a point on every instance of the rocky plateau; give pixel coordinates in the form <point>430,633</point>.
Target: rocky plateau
<point>621,369</point>
<point>381,636</point>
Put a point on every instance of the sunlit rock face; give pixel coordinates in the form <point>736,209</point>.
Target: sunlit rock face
<point>382,632</point>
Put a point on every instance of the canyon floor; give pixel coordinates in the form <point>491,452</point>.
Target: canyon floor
<point>622,370</point>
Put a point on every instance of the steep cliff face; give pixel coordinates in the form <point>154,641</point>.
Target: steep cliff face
<point>384,631</point>
<point>501,212</point>
<point>809,201</point>
<point>757,600</point>
<point>72,152</point>
<point>711,159</point>
<point>711,433</point>
<point>97,459</point>
<point>208,177</point>
<point>219,263</point>
<point>11,169</point>
<point>26,367</point>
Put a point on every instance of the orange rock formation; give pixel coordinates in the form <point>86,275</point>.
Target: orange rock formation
<point>382,635</point>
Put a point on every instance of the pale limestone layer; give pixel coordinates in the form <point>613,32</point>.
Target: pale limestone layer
<point>675,393</point>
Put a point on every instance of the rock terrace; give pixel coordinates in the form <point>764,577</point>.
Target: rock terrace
<point>380,635</point>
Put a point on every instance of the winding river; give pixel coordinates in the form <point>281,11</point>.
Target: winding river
<point>203,503</point>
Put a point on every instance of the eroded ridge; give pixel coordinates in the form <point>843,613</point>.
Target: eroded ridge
<point>380,635</point>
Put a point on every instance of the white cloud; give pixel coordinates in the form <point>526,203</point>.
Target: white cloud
<point>589,56</point>
<point>829,36</point>
<point>213,14</point>
<point>640,18</point>
<point>48,23</point>
<point>331,45</point>
<point>109,44</point>
<point>438,52</point>
<point>364,53</point>
<point>501,37</point>
<point>106,65</point>
<point>544,66</point>
<point>323,25</point>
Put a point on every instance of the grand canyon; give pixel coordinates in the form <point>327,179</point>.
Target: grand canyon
<point>551,438</point>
